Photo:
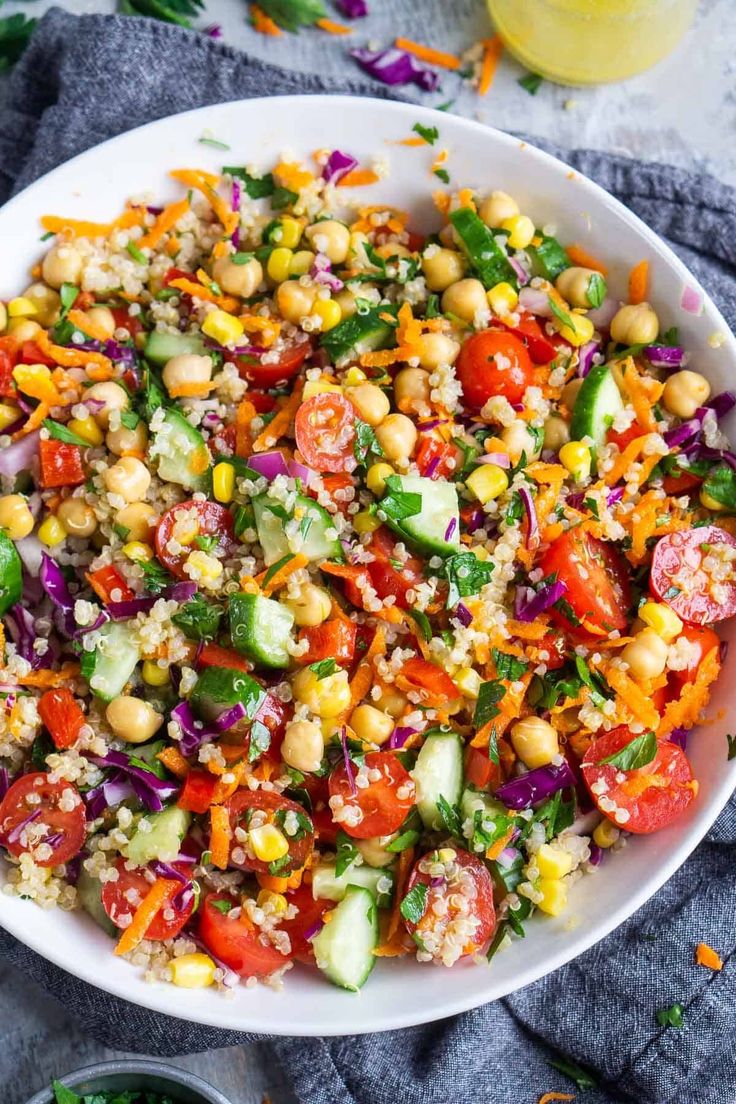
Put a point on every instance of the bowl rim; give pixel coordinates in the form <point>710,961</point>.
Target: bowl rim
<point>149,996</point>
<point>152,1067</point>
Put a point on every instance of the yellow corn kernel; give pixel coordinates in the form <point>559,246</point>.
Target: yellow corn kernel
<point>365,522</point>
<point>662,619</point>
<point>376,478</point>
<point>521,231</point>
<point>21,307</point>
<point>502,299</point>
<point>468,682</point>
<point>353,377</point>
<point>301,262</point>
<point>446,854</point>
<point>480,552</point>
<point>575,456</point>
<point>581,330</point>
<point>327,697</point>
<point>138,550</point>
<point>277,901</point>
<point>329,312</point>
<point>711,503</point>
<point>222,327</point>
<point>192,971</point>
<point>605,834</point>
<point>30,375</point>
<point>51,531</point>
<point>87,429</point>
<point>279,264</point>
<point>289,233</point>
<point>319,387</point>
<point>553,862</point>
<point>223,482</point>
<point>554,896</point>
<point>268,843</point>
<point>153,674</point>
<point>487,482</point>
<point>207,568</point>
<point>8,415</point>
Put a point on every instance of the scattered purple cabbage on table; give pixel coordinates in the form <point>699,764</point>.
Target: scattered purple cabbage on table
<point>353,9</point>
<point>395,67</point>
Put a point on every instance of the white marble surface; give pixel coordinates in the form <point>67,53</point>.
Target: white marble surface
<point>682,112</point>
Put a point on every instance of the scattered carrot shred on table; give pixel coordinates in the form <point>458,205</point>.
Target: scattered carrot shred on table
<point>706,956</point>
<point>263,23</point>
<point>333,28</point>
<point>426,53</point>
<point>639,282</point>
<point>548,1097</point>
<point>492,50</point>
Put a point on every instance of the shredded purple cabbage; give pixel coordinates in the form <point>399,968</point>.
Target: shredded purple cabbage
<point>531,514</point>
<point>15,833</point>
<point>679,736</point>
<point>431,468</point>
<point>151,790</point>
<point>535,786</point>
<point>450,530</point>
<point>197,732</point>
<point>113,791</point>
<point>122,611</point>
<point>321,272</point>
<point>400,735</point>
<point>22,631</point>
<point>394,66</point>
<point>313,929</point>
<point>476,520</point>
<point>346,759</point>
<point>4,782</point>
<point>338,165</point>
<point>463,614</point>
<point>53,582</point>
<point>235,204</point>
<point>528,603</point>
<point>353,9</point>
<point>664,356</point>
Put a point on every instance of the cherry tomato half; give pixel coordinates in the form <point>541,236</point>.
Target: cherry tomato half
<point>541,348</point>
<point>704,641</point>
<point>244,804</point>
<point>212,520</point>
<point>383,803</point>
<point>20,809</point>
<point>120,899</point>
<point>273,373</point>
<point>466,879</point>
<point>236,942</point>
<point>325,433</point>
<point>652,796</point>
<point>596,577</point>
<point>304,923</point>
<point>493,363</point>
<point>694,572</point>
<point>388,579</point>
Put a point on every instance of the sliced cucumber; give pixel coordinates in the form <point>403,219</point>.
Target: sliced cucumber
<point>182,454</point>
<point>361,333</point>
<point>89,895</point>
<point>438,772</point>
<point>326,883</point>
<point>110,665</point>
<point>598,402</point>
<point>163,839</point>
<point>274,540</point>
<point>548,258</point>
<point>261,629</point>
<point>432,529</point>
<point>474,801</point>
<point>344,948</point>
<point>11,574</point>
<point>486,257</point>
<point>147,754</point>
<point>161,347</point>
<point>219,688</point>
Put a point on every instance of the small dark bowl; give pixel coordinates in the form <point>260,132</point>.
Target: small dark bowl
<point>137,1073</point>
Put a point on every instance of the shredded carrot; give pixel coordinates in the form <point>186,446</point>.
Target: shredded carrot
<point>417,141</point>
<point>361,681</point>
<point>639,282</point>
<point>441,201</point>
<point>174,761</point>
<point>624,460</point>
<point>279,579</point>
<point>492,50</point>
<point>548,1097</point>
<point>644,391</point>
<point>220,836</point>
<point>333,28</point>
<point>34,421</point>
<point>292,175</point>
<point>166,221</point>
<point>206,183</point>
<point>706,956</point>
<point>581,257</point>
<point>358,178</point>
<point>426,53</point>
<point>263,23</point>
<point>496,848</point>
<point>151,904</point>
<point>465,198</point>
<point>634,698</point>
<point>70,357</point>
<point>223,790</point>
<point>191,287</point>
<point>78,228</point>
<point>279,424</point>
<point>685,711</point>
<point>528,631</point>
<point>47,680</point>
<point>79,319</point>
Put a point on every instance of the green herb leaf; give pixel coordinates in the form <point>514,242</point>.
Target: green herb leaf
<point>129,419</point>
<point>136,254</point>
<point>293,14</point>
<point>721,485</point>
<point>63,1095</point>
<point>347,853</point>
<point>397,504</point>
<point>413,906</point>
<point>432,309</point>
<point>466,575</point>
<point>67,294</point>
<point>223,906</point>
<point>493,748</point>
<point>155,577</point>
<point>450,815</point>
<point>198,619</point>
<point>279,866</point>
<point>576,1073</point>
<point>324,668</point>
<point>445,106</point>
<point>562,316</point>
<point>422,622</point>
<point>531,83</point>
<point>283,197</point>
<point>486,707</point>
<point>442,174</point>
<point>672,1016</point>
<point>365,442</point>
<point>403,841</point>
<point>429,134</point>
<point>260,741</point>
<point>61,433</point>
<point>255,187</point>
<point>15,30</point>
<point>509,666</point>
<point>637,753</point>
<point>596,290</point>
<point>214,142</point>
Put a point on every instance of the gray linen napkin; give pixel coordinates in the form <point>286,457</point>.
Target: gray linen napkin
<point>84,80</point>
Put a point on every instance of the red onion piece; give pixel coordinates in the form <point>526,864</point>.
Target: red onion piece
<point>20,455</point>
<point>500,459</point>
<point>532,540</point>
<point>346,759</point>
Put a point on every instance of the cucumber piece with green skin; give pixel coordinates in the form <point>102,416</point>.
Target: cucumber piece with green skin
<point>548,258</point>
<point>147,754</point>
<point>89,895</point>
<point>113,661</point>
<point>163,839</point>
<point>276,544</point>
<point>487,259</point>
<point>427,530</point>
<point>11,574</point>
<point>438,772</point>
<point>473,801</point>
<point>161,347</point>
<point>597,404</point>
<point>182,455</point>
<point>261,629</point>
<point>327,885</point>
<point>359,334</point>
<point>344,948</point>
<point>219,688</point>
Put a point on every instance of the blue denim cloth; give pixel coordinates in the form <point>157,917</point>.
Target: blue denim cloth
<point>84,80</point>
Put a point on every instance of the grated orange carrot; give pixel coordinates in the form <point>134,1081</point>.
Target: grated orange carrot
<point>191,287</point>
<point>426,53</point>
<point>580,256</point>
<point>492,50</point>
<point>79,228</point>
<point>685,711</point>
<point>358,178</point>
<point>263,23</point>
<point>173,246</point>
<point>47,680</point>
<point>548,1097</point>
<point>333,28</point>
<point>192,390</point>
<point>706,956</point>
<point>642,390</point>
<point>174,761</point>
<point>292,175</point>
<point>465,198</point>
<point>152,903</point>
<point>79,319</point>
<point>70,357</point>
<point>220,836</point>
<point>639,282</point>
<point>279,425</point>
<point>412,141</point>
<point>206,183</point>
<point>528,631</point>
<point>166,221</point>
<point>224,790</point>
<point>441,201</point>
<point>279,579</point>
<point>362,680</point>
<point>497,847</point>
<point>624,460</point>
<point>631,695</point>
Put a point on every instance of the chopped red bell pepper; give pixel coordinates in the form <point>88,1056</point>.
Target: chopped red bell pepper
<point>109,585</point>
<point>479,769</point>
<point>62,714</point>
<point>8,360</point>
<point>429,677</point>
<point>212,655</point>
<point>434,458</point>
<point>333,639</point>
<point>61,464</point>
<point>198,791</point>
<point>31,354</point>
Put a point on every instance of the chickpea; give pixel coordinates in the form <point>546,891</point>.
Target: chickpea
<point>466,299</point>
<point>124,440</point>
<point>185,369</point>
<point>371,725</point>
<point>572,284</point>
<point>646,655</point>
<point>635,324</point>
<point>238,279</point>
<point>412,390</point>
<point>442,267</point>
<point>311,607</point>
<point>370,401</point>
<point>570,392</point>
<point>303,746</point>
<point>556,433</point>
<point>535,741</point>
<point>132,719</point>
<point>111,395</point>
<point>331,238</point>
<point>15,517</point>
<point>294,301</point>
<point>497,207</point>
<point>46,302</point>
<point>448,237</point>
<point>138,519</point>
<point>23,329</point>
<point>77,517</point>
<point>346,302</point>
<point>61,265</point>
<point>128,478</point>
<point>391,702</point>
<point>684,392</point>
<point>374,850</point>
<point>326,697</point>
<point>393,249</point>
<point>397,436</point>
<point>519,438</point>
<point>435,349</point>
<point>103,318</point>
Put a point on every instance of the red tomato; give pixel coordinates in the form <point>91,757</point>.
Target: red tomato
<point>384,803</point>
<point>62,714</point>
<point>653,795</point>
<point>242,806</point>
<point>596,577</point>
<point>304,923</point>
<point>625,436</point>
<point>541,348</point>
<point>325,433</point>
<point>274,714</point>
<point>198,791</point>
<point>705,640</point>
<point>61,464</point>
<point>120,899</point>
<point>386,578</point>
<point>177,274</point>
<point>66,828</point>
<point>691,573</point>
<point>213,520</point>
<point>236,942</point>
<point>464,870</point>
<point>262,401</point>
<point>435,458</point>
<point>682,483</point>
<point>428,676</point>
<point>553,644</point>
<point>333,639</point>
<point>124,320</point>
<point>272,374</point>
<point>493,363</point>
<point>8,358</point>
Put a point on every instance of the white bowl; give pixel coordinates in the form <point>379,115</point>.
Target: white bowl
<point>94,186</point>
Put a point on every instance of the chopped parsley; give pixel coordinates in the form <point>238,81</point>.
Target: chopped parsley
<point>396,504</point>
<point>531,83</point>
<point>136,254</point>
<point>62,433</point>
<point>324,668</point>
<point>575,1072</point>
<point>214,142</point>
<point>260,741</point>
<point>562,316</point>
<point>293,14</point>
<point>365,442</point>
<point>486,707</point>
<point>413,906</point>
<point>466,575</point>
<point>596,290</point>
<point>255,187</point>
<point>442,174</point>
<point>450,816</point>
<point>429,134</point>
<point>672,1016</point>
<point>509,666</point>
<point>637,753</point>
<point>347,853</point>
<point>198,619</point>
